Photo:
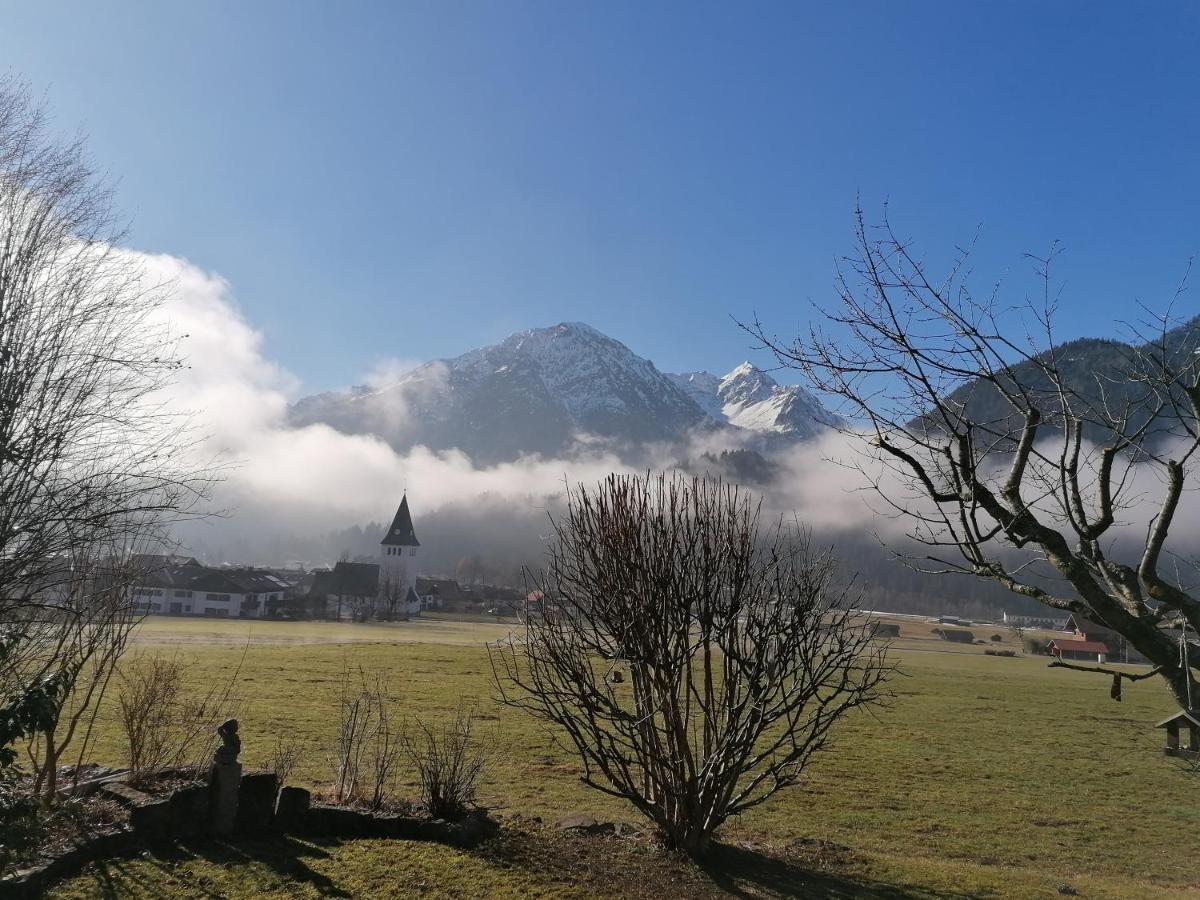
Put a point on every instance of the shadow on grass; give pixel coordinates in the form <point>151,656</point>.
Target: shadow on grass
<point>167,878</point>
<point>602,866</point>
<point>615,867</point>
<point>744,872</point>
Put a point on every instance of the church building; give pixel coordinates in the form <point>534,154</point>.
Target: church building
<point>398,558</point>
<point>383,589</point>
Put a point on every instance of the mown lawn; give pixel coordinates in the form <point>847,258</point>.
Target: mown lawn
<point>986,776</point>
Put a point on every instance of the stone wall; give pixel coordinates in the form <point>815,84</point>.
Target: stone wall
<point>261,809</point>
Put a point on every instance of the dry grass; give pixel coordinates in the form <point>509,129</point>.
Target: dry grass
<point>988,776</point>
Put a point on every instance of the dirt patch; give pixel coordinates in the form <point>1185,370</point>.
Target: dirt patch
<point>52,833</point>
<point>629,863</point>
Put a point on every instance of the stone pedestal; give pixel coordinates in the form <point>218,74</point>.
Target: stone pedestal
<point>225,781</point>
<point>291,809</point>
<point>256,802</point>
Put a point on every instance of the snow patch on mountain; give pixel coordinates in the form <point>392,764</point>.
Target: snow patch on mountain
<point>541,391</point>
<point>751,399</point>
<point>702,388</point>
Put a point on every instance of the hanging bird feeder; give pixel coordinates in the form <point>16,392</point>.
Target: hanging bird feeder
<point>1187,721</point>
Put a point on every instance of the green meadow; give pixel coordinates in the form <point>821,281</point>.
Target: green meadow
<point>984,777</point>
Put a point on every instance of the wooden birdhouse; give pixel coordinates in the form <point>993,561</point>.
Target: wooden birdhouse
<point>1188,722</point>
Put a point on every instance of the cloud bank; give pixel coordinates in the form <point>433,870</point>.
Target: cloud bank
<point>311,478</point>
<point>291,482</point>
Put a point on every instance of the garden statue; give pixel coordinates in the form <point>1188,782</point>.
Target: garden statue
<point>225,779</point>
<point>231,744</point>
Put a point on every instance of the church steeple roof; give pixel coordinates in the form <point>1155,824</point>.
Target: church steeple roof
<point>401,533</point>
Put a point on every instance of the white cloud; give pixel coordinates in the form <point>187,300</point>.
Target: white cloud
<point>316,479</point>
<point>311,476</point>
<point>386,372</point>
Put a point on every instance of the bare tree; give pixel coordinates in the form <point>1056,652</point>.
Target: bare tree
<point>363,606</point>
<point>1009,459</point>
<point>341,580</point>
<point>695,660</point>
<point>93,464</point>
<point>471,569</point>
<point>393,593</point>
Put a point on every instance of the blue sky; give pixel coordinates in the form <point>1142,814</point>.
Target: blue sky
<point>415,179</point>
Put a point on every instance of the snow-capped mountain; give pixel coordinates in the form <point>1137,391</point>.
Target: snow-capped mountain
<point>750,399</point>
<point>553,390</point>
<point>704,388</point>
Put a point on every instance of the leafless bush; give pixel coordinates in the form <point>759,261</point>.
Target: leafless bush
<point>165,725</point>
<point>146,698</point>
<point>284,757</point>
<point>384,755</point>
<point>448,763</point>
<point>368,744</point>
<point>738,651</point>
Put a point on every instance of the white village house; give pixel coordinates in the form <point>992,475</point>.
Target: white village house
<point>185,587</point>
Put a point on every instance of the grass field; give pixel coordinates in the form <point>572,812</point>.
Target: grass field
<point>986,776</point>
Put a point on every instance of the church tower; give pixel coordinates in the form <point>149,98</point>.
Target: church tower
<point>398,552</point>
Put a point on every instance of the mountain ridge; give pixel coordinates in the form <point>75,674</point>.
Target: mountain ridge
<point>1097,369</point>
<point>555,390</point>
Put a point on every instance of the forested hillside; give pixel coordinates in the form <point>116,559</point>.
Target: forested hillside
<point>1104,373</point>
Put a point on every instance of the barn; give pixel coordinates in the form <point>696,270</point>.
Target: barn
<point>1074,649</point>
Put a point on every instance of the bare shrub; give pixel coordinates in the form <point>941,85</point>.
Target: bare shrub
<point>146,699</point>
<point>284,756</point>
<point>368,742</point>
<point>448,763</point>
<point>383,755</point>
<point>738,647</point>
<point>165,725</point>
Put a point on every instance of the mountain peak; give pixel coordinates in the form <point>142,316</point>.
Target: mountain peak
<point>747,384</point>
<point>553,389</point>
<point>583,327</point>
<point>746,368</point>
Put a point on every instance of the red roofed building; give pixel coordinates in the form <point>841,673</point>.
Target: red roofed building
<point>1087,630</point>
<point>1091,641</point>
<point>1089,651</point>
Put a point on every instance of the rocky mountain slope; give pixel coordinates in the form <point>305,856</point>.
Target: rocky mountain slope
<point>553,390</point>
<point>750,399</point>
